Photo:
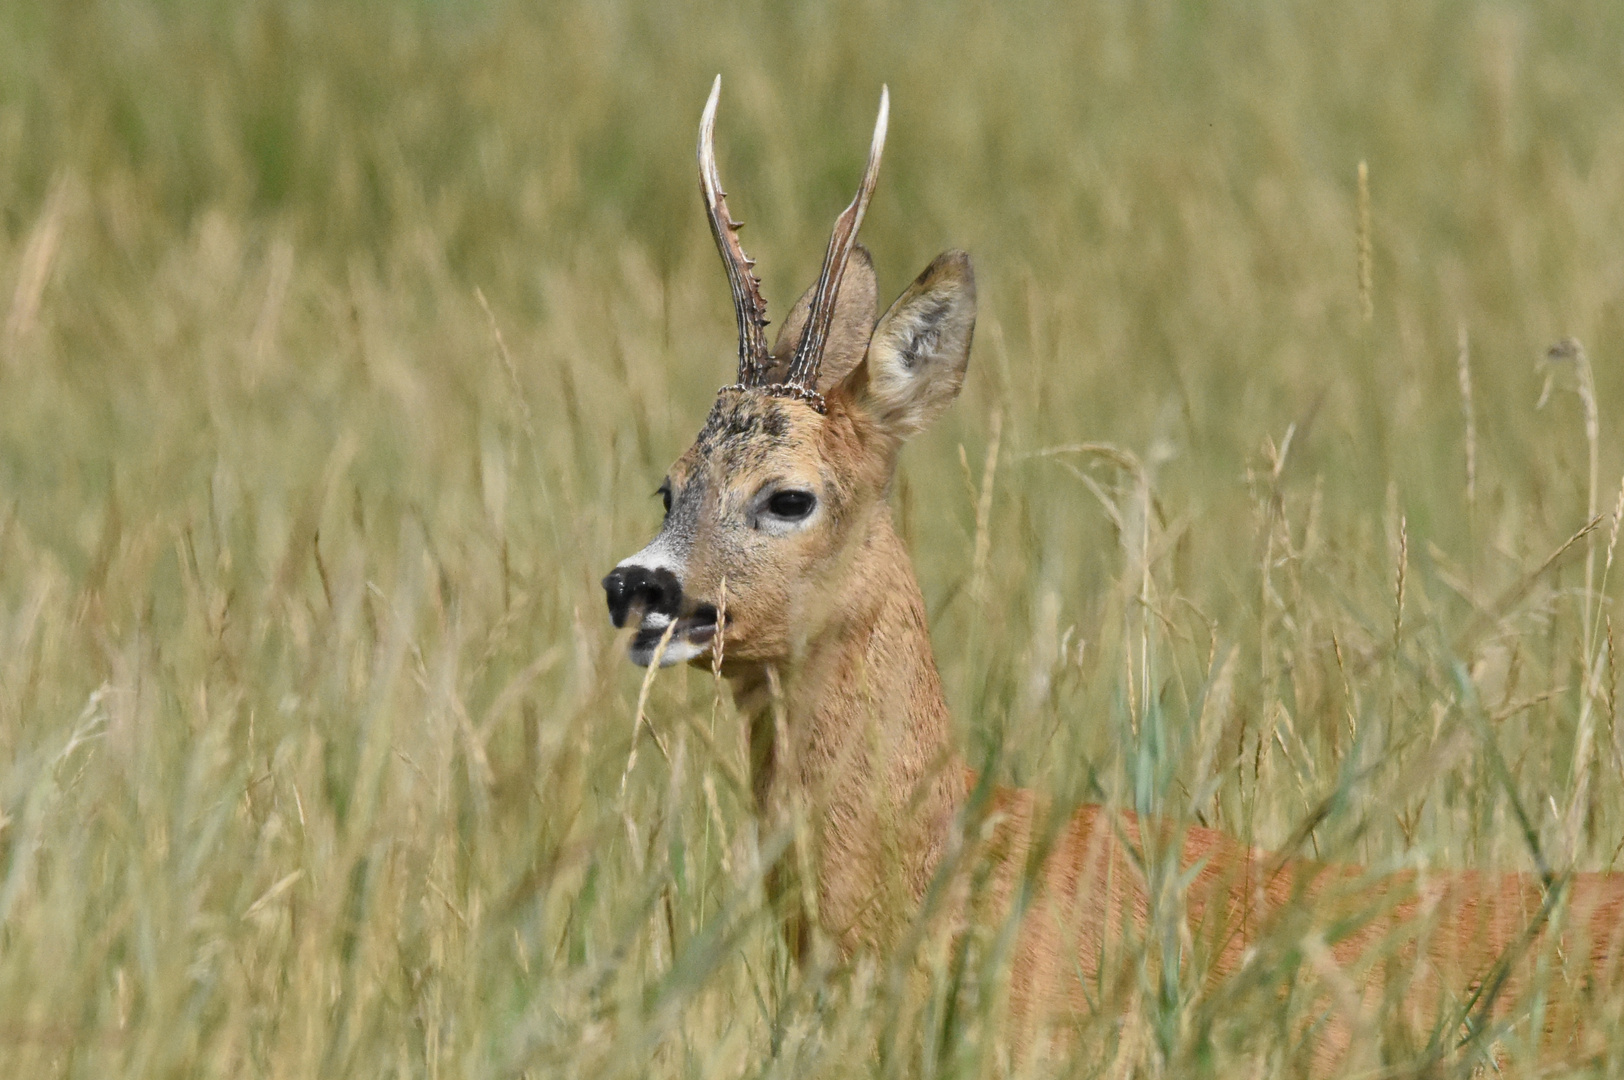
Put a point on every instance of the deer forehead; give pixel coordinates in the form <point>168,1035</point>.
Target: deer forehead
<point>751,438</point>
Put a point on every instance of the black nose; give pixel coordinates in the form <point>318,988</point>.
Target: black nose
<point>652,592</point>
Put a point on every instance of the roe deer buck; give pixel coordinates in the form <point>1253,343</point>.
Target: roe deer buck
<point>778,537</point>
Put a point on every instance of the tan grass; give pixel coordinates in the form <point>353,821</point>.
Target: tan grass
<point>344,344</point>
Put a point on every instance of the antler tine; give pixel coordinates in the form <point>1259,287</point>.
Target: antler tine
<point>803,370</point>
<point>748,304</point>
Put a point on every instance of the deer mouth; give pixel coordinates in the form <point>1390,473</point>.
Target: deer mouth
<point>691,636</point>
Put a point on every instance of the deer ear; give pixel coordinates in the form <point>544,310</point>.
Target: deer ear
<point>849,330</point>
<point>920,349</point>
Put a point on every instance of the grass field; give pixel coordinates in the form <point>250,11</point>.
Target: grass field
<point>343,344</point>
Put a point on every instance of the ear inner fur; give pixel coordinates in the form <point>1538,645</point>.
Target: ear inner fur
<point>920,349</point>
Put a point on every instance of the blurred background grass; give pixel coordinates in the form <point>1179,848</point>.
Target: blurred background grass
<point>344,343</point>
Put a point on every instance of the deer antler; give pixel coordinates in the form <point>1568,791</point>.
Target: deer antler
<point>748,304</point>
<point>803,370</point>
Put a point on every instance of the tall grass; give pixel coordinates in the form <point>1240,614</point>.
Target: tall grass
<point>343,343</point>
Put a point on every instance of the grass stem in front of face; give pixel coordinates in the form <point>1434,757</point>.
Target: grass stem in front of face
<point>638,717</point>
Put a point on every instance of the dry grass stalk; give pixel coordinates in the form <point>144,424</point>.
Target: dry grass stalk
<point>1398,588</point>
<point>639,720</point>
<point>38,258</point>
<point>983,537</point>
<point>1463,368</point>
<point>1367,301</point>
<point>1557,357</point>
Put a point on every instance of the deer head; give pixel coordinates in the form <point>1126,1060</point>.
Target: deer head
<point>774,505</point>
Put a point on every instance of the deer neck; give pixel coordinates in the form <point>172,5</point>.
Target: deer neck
<point>851,746</point>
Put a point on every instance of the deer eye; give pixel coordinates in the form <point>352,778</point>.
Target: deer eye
<point>791,505</point>
<point>665,495</point>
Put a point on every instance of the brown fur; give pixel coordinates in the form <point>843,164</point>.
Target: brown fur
<point>1438,938</point>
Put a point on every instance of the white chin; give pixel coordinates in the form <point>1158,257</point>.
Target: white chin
<point>677,651</point>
